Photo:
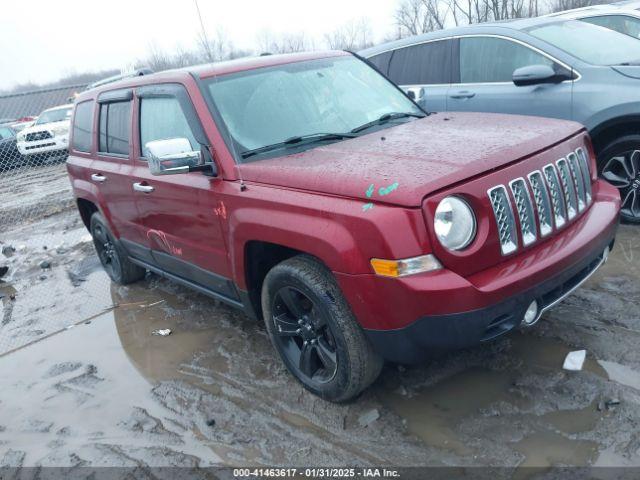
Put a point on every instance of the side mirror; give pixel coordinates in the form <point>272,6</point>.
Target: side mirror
<point>538,74</point>
<point>175,155</point>
<point>415,93</point>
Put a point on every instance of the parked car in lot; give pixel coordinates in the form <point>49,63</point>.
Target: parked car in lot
<point>10,157</point>
<point>613,17</point>
<point>48,138</point>
<point>22,123</point>
<point>546,66</point>
<point>310,191</point>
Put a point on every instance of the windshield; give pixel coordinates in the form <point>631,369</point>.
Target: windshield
<point>270,105</point>
<point>620,23</point>
<point>591,43</point>
<point>50,116</point>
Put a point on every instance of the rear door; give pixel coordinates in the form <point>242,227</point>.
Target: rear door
<point>483,80</point>
<point>179,214</point>
<point>111,169</point>
<point>422,70</point>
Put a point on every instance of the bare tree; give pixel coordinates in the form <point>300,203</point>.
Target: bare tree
<point>559,5</point>
<point>414,17</point>
<point>284,43</point>
<point>353,35</point>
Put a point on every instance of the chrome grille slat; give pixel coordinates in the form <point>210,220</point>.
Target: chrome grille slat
<point>568,188</point>
<point>586,173</point>
<point>504,218</point>
<point>578,181</point>
<point>542,201</point>
<point>524,207</point>
<point>557,197</point>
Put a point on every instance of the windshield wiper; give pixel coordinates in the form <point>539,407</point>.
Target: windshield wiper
<point>297,141</point>
<point>386,118</point>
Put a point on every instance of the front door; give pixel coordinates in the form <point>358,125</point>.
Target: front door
<point>180,215</point>
<point>484,81</point>
<point>423,71</point>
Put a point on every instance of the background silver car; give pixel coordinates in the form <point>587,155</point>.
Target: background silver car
<point>546,66</point>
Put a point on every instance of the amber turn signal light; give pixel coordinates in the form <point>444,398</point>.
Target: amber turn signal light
<point>408,266</point>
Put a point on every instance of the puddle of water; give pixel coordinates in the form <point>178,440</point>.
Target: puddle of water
<point>574,421</point>
<point>83,373</point>
<point>433,414</point>
<point>621,374</point>
<point>546,449</point>
<point>547,353</point>
<point>624,259</point>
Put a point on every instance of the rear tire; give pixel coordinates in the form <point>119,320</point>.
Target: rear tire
<point>314,331</point>
<point>114,260</point>
<point>619,164</point>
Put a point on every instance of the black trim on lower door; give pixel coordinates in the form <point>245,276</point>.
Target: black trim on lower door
<point>136,250</point>
<point>188,274</point>
<point>187,283</point>
<point>195,274</point>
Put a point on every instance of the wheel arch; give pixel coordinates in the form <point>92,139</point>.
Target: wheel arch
<point>607,131</point>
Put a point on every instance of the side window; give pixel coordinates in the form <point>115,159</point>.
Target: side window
<point>424,64</point>
<point>115,127</point>
<point>490,59</point>
<point>620,23</point>
<point>162,119</point>
<point>83,126</point>
<point>5,133</point>
<point>381,62</point>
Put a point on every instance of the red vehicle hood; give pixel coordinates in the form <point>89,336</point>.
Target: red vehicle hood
<point>414,159</point>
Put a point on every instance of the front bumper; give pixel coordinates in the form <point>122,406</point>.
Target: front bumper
<point>49,145</point>
<point>432,336</point>
<point>413,318</point>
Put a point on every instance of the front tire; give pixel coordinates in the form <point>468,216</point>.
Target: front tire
<point>314,331</point>
<point>619,164</point>
<point>113,259</point>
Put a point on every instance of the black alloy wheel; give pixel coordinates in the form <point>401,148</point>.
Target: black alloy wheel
<point>623,172</point>
<point>304,336</point>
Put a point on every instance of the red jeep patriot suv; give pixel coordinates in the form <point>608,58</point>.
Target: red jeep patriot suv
<point>310,191</point>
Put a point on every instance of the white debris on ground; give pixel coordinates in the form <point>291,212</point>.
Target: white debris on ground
<point>162,332</point>
<point>575,360</point>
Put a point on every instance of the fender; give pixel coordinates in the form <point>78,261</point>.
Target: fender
<point>338,231</point>
<point>610,117</point>
<point>89,191</point>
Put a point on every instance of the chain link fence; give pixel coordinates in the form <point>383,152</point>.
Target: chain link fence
<point>50,278</point>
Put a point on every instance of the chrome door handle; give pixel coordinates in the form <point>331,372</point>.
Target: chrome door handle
<point>138,187</point>
<point>463,94</point>
<point>96,177</point>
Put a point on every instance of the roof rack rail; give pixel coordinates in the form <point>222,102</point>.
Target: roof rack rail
<point>136,73</point>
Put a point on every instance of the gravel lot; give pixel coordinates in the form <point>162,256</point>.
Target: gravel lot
<point>85,383</point>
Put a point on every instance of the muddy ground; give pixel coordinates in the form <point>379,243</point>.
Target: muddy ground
<point>84,382</point>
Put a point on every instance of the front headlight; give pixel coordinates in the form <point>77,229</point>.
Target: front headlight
<point>454,223</point>
<point>59,131</point>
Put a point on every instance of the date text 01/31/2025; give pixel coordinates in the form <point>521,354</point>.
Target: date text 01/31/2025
<point>315,473</point>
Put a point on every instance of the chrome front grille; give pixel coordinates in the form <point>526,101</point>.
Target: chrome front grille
<point>559,208</point>
<point>542,201</point>
<point>560,193</point>
<point>583,162</point>
<point>524,208</point>
<point>505,219</point>
<point>568,188</point>
<point>578,181</point>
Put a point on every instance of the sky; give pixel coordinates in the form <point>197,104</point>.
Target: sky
<point>43,40</point>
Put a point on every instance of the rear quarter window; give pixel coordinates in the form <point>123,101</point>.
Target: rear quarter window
<point>82,127</point>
